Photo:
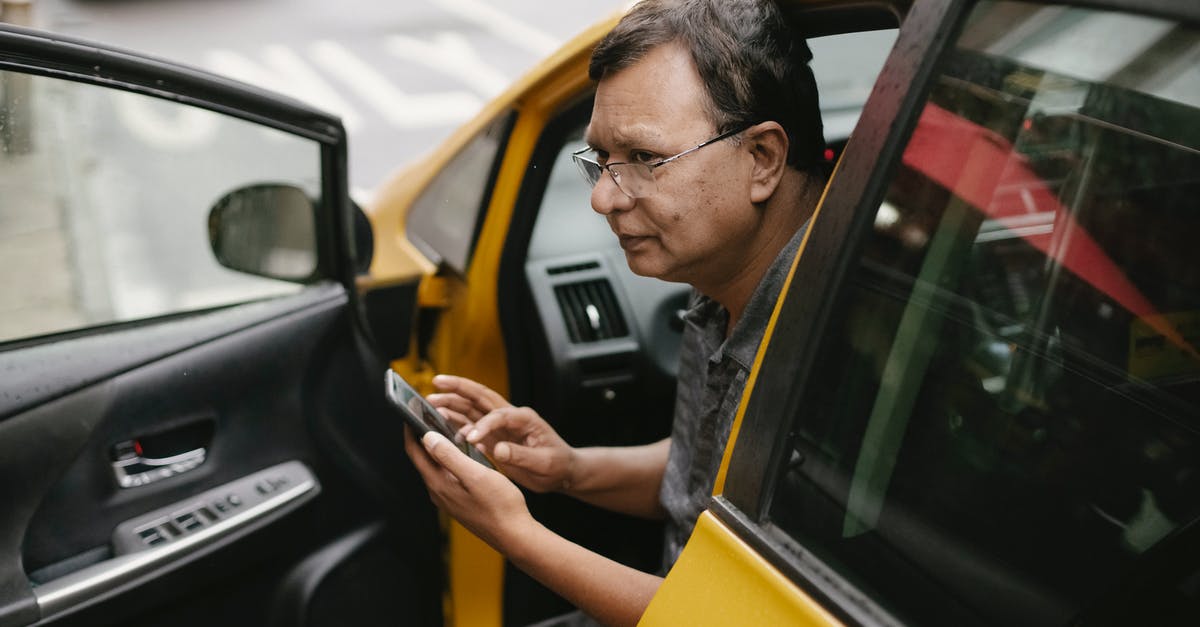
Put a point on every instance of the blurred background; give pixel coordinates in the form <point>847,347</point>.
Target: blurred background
<point>401,74</point>
<point>105,195</point>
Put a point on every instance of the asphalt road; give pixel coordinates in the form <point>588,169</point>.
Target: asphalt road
<point>401,74</point>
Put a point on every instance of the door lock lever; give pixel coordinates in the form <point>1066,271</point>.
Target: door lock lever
<point>132,469</point>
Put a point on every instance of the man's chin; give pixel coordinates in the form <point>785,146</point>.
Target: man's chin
<point>639,265</point>
<point>644,265</point>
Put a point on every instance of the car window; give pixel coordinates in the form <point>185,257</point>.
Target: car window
<point>104,203</point>
<point>1004,423</point>
<point>444,221</point>
<point>565,223</point>
<point>845,66</point>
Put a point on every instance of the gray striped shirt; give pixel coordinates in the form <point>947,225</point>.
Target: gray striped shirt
<point>712,375</point>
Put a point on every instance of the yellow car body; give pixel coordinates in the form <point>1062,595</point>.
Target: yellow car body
<point>722,578</point>
<point>977,400</point>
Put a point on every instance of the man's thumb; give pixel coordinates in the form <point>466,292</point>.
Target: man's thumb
<point>444,452</point>
<point>511,454</point>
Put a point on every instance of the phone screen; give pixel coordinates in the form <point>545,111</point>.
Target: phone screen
<point>422,416</point>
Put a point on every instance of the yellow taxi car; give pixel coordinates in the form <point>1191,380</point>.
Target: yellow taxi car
<point>977,403</point>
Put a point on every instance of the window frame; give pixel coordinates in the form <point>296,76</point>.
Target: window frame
<point>845,215</point>
<point>855,190</point>
<point>65,58</point>
<point>820,274</point>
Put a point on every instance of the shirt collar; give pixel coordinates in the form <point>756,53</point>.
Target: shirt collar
<point>742,343</point>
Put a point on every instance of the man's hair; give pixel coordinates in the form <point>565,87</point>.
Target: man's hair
<point>753,67</point>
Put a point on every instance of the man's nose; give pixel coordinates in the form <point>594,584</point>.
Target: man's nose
<point>607,197</point>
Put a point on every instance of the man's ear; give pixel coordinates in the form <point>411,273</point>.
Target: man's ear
<point>768,145</point>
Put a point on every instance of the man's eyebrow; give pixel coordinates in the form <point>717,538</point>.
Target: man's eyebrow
<point>627,137</point>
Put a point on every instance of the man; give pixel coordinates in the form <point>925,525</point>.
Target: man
<point>705,152</point>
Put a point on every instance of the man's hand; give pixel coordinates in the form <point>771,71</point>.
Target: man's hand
<point>483,500</point>
<point>528,450</point>
<point>520,443</point>
<point>492,508</point>
<point>524,447</point>
<point>463,401</point>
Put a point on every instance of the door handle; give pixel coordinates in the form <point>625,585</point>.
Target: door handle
<point>137,470</point>
<point>161,540</point>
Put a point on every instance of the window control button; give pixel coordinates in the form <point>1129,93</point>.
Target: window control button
<point>189,522</point>
<point>151,536</point>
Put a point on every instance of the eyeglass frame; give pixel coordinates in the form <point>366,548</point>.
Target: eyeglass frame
<point>580,162</point>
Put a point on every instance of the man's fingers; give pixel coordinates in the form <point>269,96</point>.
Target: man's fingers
<point>419,456</point>
<point>483,396</point>
<point>451,459</point>
<point>493,421</point>
<point>505,418</point>
<point>455,420</point>
<point>456,403</point>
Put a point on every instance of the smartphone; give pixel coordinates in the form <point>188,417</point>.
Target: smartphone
<point>422,416</point>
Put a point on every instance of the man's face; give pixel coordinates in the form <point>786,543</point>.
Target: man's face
<point>700,222</point>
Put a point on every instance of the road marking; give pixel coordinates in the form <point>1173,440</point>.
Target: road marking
<point>170,127</point>
<point>401,109</point>
<point>452,54</point>
<point>502,25</point>
<point>286,73</point>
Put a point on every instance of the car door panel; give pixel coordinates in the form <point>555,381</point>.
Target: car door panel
<point>257,398</point>
<point>42,371</point>
<point>122,442</point>
<point>253,384</point>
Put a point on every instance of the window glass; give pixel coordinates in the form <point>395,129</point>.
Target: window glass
<point>566,224</point>
<point>446,219</point>
<point>104,203</point>
<point>1003,426</point>
<point>845,66</point>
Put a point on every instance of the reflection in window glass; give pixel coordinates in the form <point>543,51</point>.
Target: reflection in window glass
<point>1005,426</point>
<point>104,210</point>
<point>845,67</point>
<point>446,218</point>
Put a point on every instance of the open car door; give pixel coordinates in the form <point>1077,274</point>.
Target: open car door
<point>977,401</point>
<point>182,443</point>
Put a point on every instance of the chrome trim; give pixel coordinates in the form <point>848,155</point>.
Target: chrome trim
<point>139,471</point>
<point>86,585</point>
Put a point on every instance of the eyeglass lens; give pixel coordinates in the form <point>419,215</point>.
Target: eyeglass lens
<point>635,180</point>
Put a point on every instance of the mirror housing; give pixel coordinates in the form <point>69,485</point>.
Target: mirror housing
<point>266,230</point>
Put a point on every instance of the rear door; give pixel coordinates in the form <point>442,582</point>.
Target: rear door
<point>979,400</point>
<point>181,443</point>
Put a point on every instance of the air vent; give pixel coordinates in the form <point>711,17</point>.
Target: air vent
<point>590,310</point>
<point>575,267</point>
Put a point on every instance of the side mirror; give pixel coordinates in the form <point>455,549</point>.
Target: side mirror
<point>266,230</point>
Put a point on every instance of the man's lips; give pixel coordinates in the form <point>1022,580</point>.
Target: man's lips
<point>630,241</point>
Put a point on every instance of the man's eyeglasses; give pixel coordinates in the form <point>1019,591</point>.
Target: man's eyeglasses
<point>635,179</point>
